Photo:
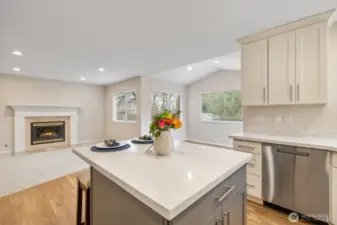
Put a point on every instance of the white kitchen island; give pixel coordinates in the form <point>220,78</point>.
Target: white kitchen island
<point>195,185</point>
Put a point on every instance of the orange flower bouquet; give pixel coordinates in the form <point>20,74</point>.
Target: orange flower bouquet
<point>165,121</point>
<point>160,128</point>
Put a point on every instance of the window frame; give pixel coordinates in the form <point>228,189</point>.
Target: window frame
<point>218,121</point>
<point>114,108</point>
<point>168,92</point>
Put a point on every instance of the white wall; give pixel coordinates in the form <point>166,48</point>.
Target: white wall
<point>26,90</point>
<point>121,130</point>
<point>143,87</point>
<point>150,84</point>
<point>211,132</point>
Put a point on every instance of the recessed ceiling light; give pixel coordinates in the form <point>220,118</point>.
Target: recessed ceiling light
<point>101,69</point>
<point>83,78</point>
<point>17,53</point>
<point>189,68</point>
<point>216,61</point>
<point>16,69</point>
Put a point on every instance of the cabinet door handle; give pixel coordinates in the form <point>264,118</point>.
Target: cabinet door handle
<point>291,92</point>
<point>264,94</point>
<point>249,147</point>
<point>228,214</point>
<point>302,154</point>
<point>298,92</point>
<point>251,185</point>
<point>226,194</point>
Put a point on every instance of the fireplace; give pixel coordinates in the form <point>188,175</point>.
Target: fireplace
<point>47,132</point>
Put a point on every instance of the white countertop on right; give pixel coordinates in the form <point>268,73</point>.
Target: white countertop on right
<point>328,144</point>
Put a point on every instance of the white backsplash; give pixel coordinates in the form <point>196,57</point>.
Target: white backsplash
<point>318,120</point>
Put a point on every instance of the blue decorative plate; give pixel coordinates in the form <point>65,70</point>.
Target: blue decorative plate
<point>142,141</point>
<point>114,149</point>
<point>103,145</point>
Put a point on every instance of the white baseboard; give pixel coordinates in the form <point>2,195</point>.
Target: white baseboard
<point>210,144</point>
<point>6,152</point>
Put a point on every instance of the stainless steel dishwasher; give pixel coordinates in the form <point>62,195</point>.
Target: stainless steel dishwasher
<point>296,179</point>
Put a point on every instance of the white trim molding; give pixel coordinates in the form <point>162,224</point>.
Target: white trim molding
<point>23,111</point>
<point>114,107</point>
<point>303,22</point>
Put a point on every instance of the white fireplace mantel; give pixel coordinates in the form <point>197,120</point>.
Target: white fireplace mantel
<point>21,111</point>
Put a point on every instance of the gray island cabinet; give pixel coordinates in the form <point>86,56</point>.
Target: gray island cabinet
<point>196,185</point>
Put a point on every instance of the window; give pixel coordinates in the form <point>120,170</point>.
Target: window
<point>125,105</point>
<point>164,100</point>
<point>221,106</point>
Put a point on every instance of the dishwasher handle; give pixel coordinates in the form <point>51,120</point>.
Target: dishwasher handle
<point>293,153</point>
<point>302,154</point>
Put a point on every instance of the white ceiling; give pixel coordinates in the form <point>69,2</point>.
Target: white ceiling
<point>198,70</point>
<point>69,39</point>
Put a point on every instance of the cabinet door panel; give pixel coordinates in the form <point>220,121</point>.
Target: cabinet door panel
<point>110,204</point>
<point>281,79</point>
<point>311,64</point>
<point>216,219</point>
<point>234,209</point>
<point>205,207</point>
<point>254,72</point>
<point>254,186</point>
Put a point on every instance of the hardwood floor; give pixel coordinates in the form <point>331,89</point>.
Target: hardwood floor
<point>258,214</point>
<point>54,203</point>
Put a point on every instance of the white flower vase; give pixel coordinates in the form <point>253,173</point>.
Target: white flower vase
<point>163,145</point>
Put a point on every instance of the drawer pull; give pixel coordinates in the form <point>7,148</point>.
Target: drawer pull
<point>228,214</point>
<point>264,94</point>
<point>291,92</point>
<point>298,92</point>
<point>251,164</point>
<point>251,185</point>
<point>226,194</point>
<point>249,147</point>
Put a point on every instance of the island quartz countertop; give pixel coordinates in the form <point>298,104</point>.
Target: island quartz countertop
<point>168,185</point>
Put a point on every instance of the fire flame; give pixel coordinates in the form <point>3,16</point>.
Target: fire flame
<point>48,134</point>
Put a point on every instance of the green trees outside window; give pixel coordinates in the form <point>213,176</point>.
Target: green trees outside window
<point>221,106</point>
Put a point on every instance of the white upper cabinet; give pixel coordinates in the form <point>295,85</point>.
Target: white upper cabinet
<point>287,65</point>
<point>254,73</point>
<point>311,64</point>
<point>281,69</point>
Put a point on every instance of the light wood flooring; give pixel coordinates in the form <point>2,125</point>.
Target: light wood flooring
<point>54,203</point>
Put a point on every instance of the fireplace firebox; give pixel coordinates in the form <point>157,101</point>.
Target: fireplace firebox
<point>47,132</point>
